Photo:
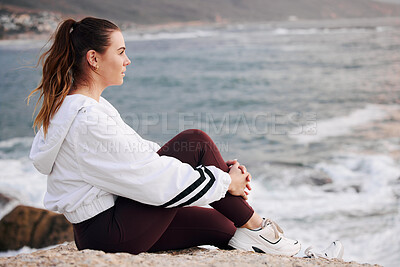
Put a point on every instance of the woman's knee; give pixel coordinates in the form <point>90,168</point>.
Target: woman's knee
<point>196,134</point>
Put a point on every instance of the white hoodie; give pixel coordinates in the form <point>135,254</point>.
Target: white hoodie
<point>91,156</point>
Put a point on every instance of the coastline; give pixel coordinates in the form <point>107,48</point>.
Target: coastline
<point>224,23</point>
<point>67,255</point>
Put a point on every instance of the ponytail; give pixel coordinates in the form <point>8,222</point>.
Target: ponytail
<point>57,79</point>
<point>62,63</point>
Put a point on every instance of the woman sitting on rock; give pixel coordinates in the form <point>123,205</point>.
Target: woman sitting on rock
<point>123,193</point>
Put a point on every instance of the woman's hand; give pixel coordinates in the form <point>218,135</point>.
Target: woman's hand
<point>240,180</point>
<point>243,169</point>
<point>233,161</point>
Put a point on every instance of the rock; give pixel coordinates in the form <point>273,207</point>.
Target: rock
<point>321,180</point>
<point>7,204</point>
<point>68,255</point>
<point>356,187</point>
<point>33,227</point>
<point>4,199</point>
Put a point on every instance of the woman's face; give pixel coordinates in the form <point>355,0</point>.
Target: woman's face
<point>112,64</point>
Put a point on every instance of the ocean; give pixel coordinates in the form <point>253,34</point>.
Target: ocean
<point>311,108</point>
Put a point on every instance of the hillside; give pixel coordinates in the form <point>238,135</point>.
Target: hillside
<point>164,11</point>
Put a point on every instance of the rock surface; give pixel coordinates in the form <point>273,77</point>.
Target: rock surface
<point>67,255</point>
<point>33,227</point>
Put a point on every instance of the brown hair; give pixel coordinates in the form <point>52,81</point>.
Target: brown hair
<point>64,63</point>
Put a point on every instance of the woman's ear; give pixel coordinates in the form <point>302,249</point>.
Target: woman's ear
<point>91,58</point>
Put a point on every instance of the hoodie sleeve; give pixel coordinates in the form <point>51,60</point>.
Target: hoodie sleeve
<point>119,161</point>
<point>153,146</point>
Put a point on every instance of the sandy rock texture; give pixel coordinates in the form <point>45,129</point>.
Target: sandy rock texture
<point>68,255</point>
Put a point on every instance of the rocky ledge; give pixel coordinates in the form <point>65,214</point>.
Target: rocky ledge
<point>68,255</point>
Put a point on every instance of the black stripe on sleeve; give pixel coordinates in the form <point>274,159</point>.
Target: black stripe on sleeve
<point>203,191</point>
<point>188,190</point>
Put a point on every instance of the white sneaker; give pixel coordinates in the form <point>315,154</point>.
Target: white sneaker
<point>268,239</point>
<point>334,251</point>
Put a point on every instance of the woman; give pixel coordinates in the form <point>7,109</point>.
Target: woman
<point>123,193</point>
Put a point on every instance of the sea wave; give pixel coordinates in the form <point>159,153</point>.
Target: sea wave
<point>20,180</point>
<point>321,31</point>
<point>343,125</point>
<point>15,147</point>
<point>360,203</point>
<point>168,35</point>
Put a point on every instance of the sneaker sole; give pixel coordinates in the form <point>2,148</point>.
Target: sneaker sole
<point>250,247</point>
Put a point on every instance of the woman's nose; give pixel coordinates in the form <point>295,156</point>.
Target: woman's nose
<point>127,61</point>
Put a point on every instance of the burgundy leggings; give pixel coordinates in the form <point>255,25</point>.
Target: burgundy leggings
<point>130,226</point>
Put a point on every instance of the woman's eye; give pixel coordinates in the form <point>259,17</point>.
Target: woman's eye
<point>122,52</point>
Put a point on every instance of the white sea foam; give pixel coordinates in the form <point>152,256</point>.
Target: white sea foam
<point>22,181</point>
<point>17,141</point>
<point>343,125</point>
<point>165,35</point>
<point>365,168</point>
<point>313,31</point>
<point>26,250</point>
<point>318,215</point>
<point>285,31</point>
<point>22,250</point>
<point>18,178</point>
<point>129,36</point>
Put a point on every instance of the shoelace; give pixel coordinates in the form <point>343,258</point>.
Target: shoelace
<point>277,229</point>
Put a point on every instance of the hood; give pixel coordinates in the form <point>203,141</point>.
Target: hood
<point>44,151</point>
